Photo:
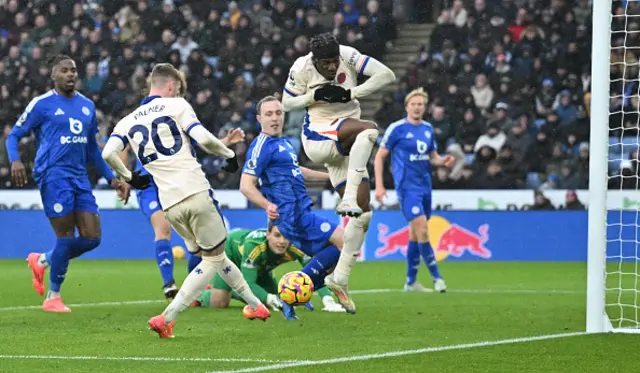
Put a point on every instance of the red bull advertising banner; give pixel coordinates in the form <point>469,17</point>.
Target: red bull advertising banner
<point>454,235</point>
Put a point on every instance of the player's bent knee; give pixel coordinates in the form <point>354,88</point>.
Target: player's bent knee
<point>370,134</point>
<point>370,124</point>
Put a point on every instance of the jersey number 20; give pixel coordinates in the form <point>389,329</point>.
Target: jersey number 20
<point>155,139</point>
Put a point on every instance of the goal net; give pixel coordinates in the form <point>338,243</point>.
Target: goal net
<point>613,296</point>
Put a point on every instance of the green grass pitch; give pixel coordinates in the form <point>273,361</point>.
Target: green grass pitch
<point>502,304</point>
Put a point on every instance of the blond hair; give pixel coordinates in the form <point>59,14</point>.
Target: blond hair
<point>417,92</point>
<point>265,100</point>
<point>162,73</point>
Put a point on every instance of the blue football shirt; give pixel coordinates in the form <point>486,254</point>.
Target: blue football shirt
<point>274,161</point>
<point>65,130</point>
<point>410,146</point>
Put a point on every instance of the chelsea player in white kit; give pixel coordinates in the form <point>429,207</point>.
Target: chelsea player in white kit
<point>411,142</point>
<point>160,133</point>
<point>324,82</point>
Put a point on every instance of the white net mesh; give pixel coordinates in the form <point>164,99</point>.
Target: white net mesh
<point>623,224</point>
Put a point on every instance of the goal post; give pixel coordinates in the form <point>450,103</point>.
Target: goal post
<point>613,295</point>
<point>598,166</point>
<point>597,318</point>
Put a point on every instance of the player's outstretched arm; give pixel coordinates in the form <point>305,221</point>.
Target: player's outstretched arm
<point>378,167</point>
<point>111,155</point>
<point>379,76</point>
<point>209,143</point>
<point>248,187</point>
<point>312,175</point>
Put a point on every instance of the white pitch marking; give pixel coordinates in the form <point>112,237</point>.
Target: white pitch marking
<point>99,304</point>
<point>399,353</point>
<point>363,291</point>
<point>146,358</point>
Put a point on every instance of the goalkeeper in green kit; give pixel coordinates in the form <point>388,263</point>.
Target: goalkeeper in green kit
<point>257,253</point>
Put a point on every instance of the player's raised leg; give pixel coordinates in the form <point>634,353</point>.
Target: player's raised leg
<point>356,138</point>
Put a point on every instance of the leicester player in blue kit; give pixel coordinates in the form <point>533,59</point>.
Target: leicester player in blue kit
<point>411,142</point>
<point>65,127</point>
<point>273,164</point>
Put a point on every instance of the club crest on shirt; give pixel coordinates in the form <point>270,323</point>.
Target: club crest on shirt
<point>422,146</point>
<point>85,111</point>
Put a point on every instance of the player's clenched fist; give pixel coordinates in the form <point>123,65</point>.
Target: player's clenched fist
<point>332,94</point>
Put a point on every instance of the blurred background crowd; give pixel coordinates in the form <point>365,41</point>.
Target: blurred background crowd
<point>509,80</point>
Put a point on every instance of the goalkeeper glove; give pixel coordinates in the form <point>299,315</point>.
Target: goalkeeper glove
<point>232,164</point>
<point>140,181</point>
<point>332,94</point>
<point>274,302</point>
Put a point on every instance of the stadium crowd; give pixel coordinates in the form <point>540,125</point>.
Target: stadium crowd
<point>234,53</point>
<point>510,85</point>
<point>509,80</point>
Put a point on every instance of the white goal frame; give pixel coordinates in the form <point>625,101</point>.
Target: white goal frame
<point>597,319</point>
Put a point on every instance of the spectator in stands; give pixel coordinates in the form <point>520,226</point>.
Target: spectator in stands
<point>572,202</point>
<point>541,202</point>
<point>234,53</point>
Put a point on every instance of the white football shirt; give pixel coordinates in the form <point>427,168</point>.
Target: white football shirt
<point>158,134</point>
<point>304,76</point>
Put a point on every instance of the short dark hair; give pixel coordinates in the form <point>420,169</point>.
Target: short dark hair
<point>53,61</point>
<point>265,100</point>
<point>324,46</point>
<point>270,225</point>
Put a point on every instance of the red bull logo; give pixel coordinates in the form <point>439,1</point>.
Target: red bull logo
<point>446,239</point>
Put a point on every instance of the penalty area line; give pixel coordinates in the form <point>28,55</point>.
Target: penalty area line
<point>151,359</point>
<point>400,353</point>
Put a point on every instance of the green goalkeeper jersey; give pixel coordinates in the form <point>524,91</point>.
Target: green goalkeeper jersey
<point>249,250</point>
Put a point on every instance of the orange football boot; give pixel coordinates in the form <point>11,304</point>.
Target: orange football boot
<point>164,330</point>
<point>55,305</point>
<point>37,272</point>
<point>261,312</point>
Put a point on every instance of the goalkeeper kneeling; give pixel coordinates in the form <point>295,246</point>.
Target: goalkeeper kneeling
<point>257,253</point>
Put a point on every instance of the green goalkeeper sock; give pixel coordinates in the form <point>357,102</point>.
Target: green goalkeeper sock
<point>205,298</point>
<point>325,292</point>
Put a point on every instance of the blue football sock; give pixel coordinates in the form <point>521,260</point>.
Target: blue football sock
<point>193,262</point>
<point>81,245</point>
<point>429,258</point>
<point>413,262</point>
<point>164,258</point>
<point>58,259</point>
<point>318,267</point>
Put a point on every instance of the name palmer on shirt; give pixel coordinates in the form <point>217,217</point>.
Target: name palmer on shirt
<point>148,110</point>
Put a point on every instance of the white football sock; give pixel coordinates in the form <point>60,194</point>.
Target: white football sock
<point>42,260</point>
<point>232,275</point>
<point>354,235</point>
<point>193,285</point>
<point>358,158</point>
